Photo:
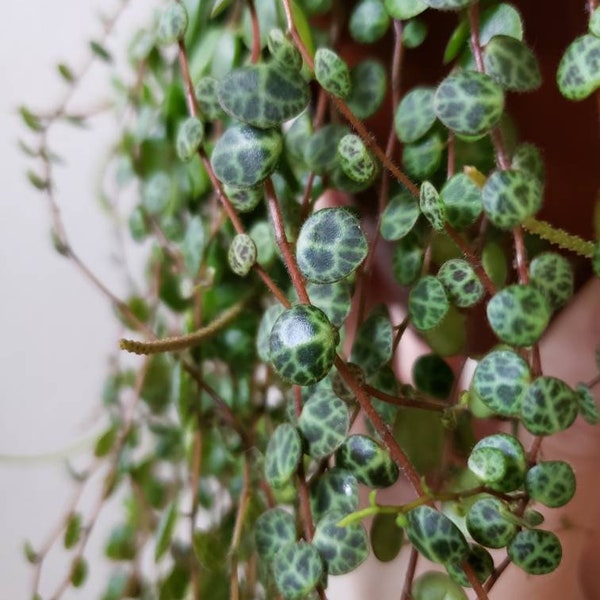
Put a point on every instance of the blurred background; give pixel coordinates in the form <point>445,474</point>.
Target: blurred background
<point>58,331</point>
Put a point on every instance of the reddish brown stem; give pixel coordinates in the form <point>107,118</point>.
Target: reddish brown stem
<point>410,574</point>
<point>423,403</point>
<point>284,245</point>
<point>255,53</point>
<point>470,256</point>
<point>489,584</point>
<point>398,455</point>
<point>475,583</point>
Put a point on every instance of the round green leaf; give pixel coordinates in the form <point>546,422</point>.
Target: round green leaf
<point>72,533</point>
<point>512,64</point>
<point>399,216</point>
<point>320,153</point>
<point>316,7</point>
<point>588,408</point>
<point>333,299</point>
<point>263,95</point>
<point>462,199</point>
<point>372,347</point>
<point>414,33</point>
<point>302,344</point>
<point>578,74</point>
<point>469,103</point>
<point>284,51</point>
<point>407,260</point>
<point>172,23</point>
<point>367,461</point>
<point>297,568</point>
<point>494,263</point>
<point>528,158</point>
<point>489,465</point>
<point>385,381</point>
<point>596,258</point>
<point>242,254</point>
<point>515,460</point>
<point>369,83</point>
<point>245,156</point>
<point>535,551</point>
<point>208,102</point>
<point>330,246</point>
<point>332,72</point>
<point>427,303</point>
<point>386,537</point>
<point>433,585</point>
<point>244,199</point>
<point>157,193</point>
<point>500,19</point>
<point>324,423</point>
<point>421,159</point>
<point>461,282</point>
<point>336,490</point>
<point>355,159</point>
<point>435,536</point>
<point>273,530</point>
<point>189,138</point>
<point>552,274</point>
<point>433,376</point>
<point>488,524</point>
<point>481,562</point>
<point>501,379</point>
<point>518,314</point>
<point>415,116</point>
<point>283,454</point>
<point>549,406</point>
<point>404,9</point>
<point>264,331</point>
<point>551,482</point>
<point>369,21</point>
<point>342,549</point>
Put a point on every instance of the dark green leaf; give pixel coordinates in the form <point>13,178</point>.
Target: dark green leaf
<point>100,51</point>
<point>165,529</point>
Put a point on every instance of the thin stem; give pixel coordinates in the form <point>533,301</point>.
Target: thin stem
<point>419,402</point>
<point>475,583</point>
<point>238,528</point>
<point>255,55</point>
<point>178,343</point>
<point>489,584</point>
<point>410,574</point>
<point>194,488</point>
<point>284,245</point>
<point>470,256</point>
<point>398,455</point>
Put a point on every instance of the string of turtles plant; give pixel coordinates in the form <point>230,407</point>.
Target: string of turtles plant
<point>235,442</point>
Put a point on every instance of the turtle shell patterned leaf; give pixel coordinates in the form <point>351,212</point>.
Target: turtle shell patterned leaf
<point>435,536</point>
<point>330,246</point>
<point>302,344</point>
<point>273,530</point>
<point>342,549</point>
<point>536,551</point>
<point>367,461</point>
<point>551,482</point>
<point>297,568</point>
<point>469,103</point>
<point>501,379</point>
<point>549,406</point>
<point>245,156</point>
<point>335,490</point>
<point>488,525</point>
<point>578,74</point>
<point>324,423</point>
<point>263,95</point>
<point>427,303</point>
<point>283,454</point>
<point>519,314</point>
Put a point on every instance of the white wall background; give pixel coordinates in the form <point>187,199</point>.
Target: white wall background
<point>57,331</point>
